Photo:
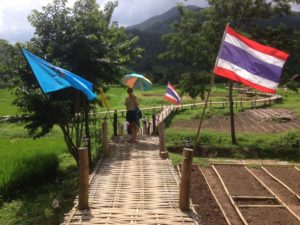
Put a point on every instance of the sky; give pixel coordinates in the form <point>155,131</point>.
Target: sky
<point>15,27</point>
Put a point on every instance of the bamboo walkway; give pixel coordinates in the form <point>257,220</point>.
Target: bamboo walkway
<point>132,186</point>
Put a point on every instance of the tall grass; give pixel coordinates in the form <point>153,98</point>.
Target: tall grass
<point>25,162</point>
<point>6,106</point>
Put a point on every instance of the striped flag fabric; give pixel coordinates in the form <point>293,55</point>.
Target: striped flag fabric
<point>250,63</point>
<point>171,95</point>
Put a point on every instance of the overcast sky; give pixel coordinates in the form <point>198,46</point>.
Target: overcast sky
<point>14,26</point>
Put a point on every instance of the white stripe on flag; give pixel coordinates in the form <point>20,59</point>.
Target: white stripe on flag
<point>257,54</point>
<point>174,92</point>
<point>171,96</point>
<point>246,75</point>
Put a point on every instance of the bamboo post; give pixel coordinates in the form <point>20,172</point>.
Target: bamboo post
<point>120,128</point>
<point>56,211</point>
<point>115,124</point>
<point>153,123</point>
<point>162,143</point>
<point>83,200</point>
<point>104,137</point>
<point>149,128</point>
<point>184,195</point>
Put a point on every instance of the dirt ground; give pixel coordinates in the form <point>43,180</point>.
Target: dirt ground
<point>266,200</point>
<point>254,120</point>
<point>206,205</point>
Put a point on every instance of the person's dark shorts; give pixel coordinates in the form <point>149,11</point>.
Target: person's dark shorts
<point>131,116</point>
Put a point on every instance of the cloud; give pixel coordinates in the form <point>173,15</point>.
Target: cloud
<point>15,27</point>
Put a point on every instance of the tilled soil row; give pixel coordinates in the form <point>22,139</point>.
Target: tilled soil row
<point>256,203</point>
<point>245,121</point>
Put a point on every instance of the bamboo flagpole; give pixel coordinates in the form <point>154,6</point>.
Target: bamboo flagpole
<point>104,102</point>
<point>209,91</point>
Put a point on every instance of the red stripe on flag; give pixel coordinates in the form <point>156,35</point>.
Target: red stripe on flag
<point>257,46</point>
<point>171,99</point>
<point>233,76</point>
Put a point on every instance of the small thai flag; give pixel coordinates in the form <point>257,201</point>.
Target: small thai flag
<point>171,94</point>
<point>250,63</point>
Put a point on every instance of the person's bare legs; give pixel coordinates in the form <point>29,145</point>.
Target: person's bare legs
<point>134,133</point>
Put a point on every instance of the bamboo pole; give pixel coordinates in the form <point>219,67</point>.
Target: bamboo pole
<point>280,182</point>
<point>261,206</point>
<point>115,123</point>
<point>230,197</point>
<point>161,134</point>
<point>83,179</point>
<point>215,197</point>
<point>104,137</point>
<point>184,195</point>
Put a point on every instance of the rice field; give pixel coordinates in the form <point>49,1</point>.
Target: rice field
<point>24,161</point>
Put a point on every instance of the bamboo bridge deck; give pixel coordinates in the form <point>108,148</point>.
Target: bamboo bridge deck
<point>132,186</point>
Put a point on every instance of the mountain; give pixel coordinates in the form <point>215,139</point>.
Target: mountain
<point>160,23</point>
<point>150,33</point>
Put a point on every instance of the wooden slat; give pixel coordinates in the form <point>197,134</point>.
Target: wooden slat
<point>253,197</point>
<point>261,206</point>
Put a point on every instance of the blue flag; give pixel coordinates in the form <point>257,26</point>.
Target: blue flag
<point>52,78</point>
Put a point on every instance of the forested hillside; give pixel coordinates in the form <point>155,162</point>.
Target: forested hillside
<point>151,31</point>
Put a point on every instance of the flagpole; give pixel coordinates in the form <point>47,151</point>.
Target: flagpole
<point>105,103</point>
<point>209,91</point>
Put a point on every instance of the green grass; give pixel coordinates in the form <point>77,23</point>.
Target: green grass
<point>35,207</point>
<point>291,100</point>
<point>284,146</point>
<point>32,174</point>
<point>176,158</point>
<point>24,161</point>
<point>6,106</point>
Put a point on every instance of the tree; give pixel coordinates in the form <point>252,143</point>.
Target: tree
<point>6,56</point>
<point>83,40</point>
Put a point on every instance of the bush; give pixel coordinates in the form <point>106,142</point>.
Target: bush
<point>213,144</point>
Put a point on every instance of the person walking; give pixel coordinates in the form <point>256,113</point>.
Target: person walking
<point>132,116</point>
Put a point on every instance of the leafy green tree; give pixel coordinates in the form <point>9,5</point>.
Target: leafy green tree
<point>83,40</point>
<point>6,56</point>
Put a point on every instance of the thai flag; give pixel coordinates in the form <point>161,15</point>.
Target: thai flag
<point>250,63</point>
<point>171,94</point>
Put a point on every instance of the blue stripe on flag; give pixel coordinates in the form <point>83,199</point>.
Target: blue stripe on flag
<point>248,62</point>
<point>170,92</point>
